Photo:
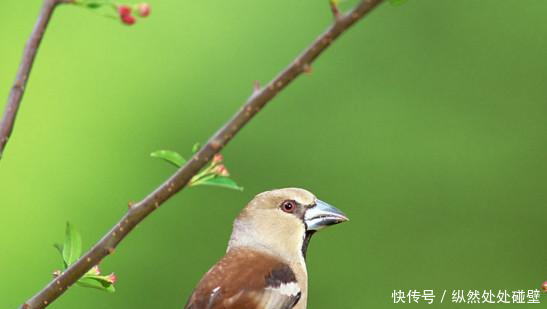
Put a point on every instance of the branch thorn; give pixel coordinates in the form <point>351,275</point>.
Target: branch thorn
<point>334,8</point>
<point>307,68</point>
<point>256,86</point>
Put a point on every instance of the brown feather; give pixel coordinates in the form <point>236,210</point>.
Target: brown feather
<point>244,279</point>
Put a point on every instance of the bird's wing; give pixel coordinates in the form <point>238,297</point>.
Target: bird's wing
<point>247,280</point>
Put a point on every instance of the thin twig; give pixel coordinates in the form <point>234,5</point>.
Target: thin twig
<point>137,212</point>
<point>29,54</point>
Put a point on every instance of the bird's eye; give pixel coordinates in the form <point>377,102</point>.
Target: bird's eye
<point>288,206</point>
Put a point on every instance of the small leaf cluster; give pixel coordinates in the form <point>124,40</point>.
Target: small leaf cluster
<point>71,251</point>
<point>215,174</point>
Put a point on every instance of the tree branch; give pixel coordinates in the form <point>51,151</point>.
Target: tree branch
<point>137,212</point>
<point>29,54</point>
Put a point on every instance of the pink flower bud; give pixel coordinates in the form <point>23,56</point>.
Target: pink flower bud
<point>144,9</point>
<point>217,158</point>
<point>124,10</point>
<point>128,20</point>
<point>112,278</point>
<point>221,170</point>
<point>95,270</point>
<point>544,286</point>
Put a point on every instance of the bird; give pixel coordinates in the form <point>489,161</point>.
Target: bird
<point>265,263</point>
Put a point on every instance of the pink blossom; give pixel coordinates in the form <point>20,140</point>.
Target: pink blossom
<point>218,158</point>
<point>221,170</point>
<point>95,270</point>
<point>112,278</point>
<point>124,10</point>
<point>128,19</point>
<point>144,9</point>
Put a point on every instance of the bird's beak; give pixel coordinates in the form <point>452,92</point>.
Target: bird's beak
<point>322,215</point>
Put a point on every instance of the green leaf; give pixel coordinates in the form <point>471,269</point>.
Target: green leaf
<point>196,147</point>
<point>397,2</point>
<point>170,156</point>
<point>59,248</point>
<point>220,181</point>
<point>199,178</point>
<point>94,5</point>
<point>96,282</point>
<point>72,248</point>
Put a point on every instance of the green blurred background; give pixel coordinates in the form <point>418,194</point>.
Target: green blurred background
<point>426,123</point>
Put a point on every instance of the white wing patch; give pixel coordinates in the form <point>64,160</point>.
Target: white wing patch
<point>285,296</point>
<point>287,289</point>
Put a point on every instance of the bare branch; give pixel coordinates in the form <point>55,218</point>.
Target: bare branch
<point>29,54</point>
<point>138,211</point>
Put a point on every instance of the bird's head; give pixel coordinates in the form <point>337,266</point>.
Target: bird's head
<point>282,222</point>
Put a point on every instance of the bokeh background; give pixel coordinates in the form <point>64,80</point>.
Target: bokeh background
<point>426,123</point>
